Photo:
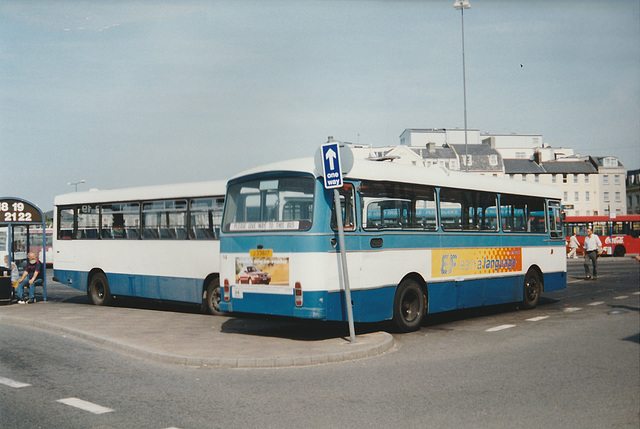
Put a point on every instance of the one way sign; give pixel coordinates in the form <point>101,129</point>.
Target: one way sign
<point>331,165</point>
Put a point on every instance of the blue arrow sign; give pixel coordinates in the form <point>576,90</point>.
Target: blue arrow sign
<point>331,165</point>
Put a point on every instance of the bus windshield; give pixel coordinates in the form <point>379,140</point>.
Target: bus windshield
<point>269,204</point>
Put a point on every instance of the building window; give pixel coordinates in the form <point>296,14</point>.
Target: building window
<point>521,155</point>
<point>524,177</point>
<point>453,164</point>
<point>606,196</point>
<point>467,161</point>
<point>586,196</point>
<point>566,196</point>
<point>586,178</point>
<point>605,179</point>
<point>564,178</point>
<point>617,196</point>
<point>576,197</point>
<point>493,160</point>
<point>588,212</point>
<point>610,162</point>
<point>616,179</point>
<point>537,178</point>
<point>553,178</point>
<point>577,213</point>
<point>575,178</point>
<point>512,176</point>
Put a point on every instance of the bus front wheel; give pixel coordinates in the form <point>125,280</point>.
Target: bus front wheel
<point>532,289</point>
<point>98,290</point>
<point>409,306</point>
<point>212,297</point>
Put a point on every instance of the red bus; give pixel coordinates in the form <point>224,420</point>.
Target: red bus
<point>621,230</point>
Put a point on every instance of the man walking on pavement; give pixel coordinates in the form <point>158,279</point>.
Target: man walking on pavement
<point>592,248</point>
<point>573,245</point>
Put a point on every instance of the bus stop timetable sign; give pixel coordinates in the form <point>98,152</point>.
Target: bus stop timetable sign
<point>13,210</point>
<point>331,171</point>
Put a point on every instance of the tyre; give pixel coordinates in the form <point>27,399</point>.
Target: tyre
<point>532,289</point>
<point>212,296</point>
<point>619,251</point>
<point>409,306</point>
<point>98,290</point>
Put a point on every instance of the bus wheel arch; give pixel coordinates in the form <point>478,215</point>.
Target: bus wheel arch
<point>98,290</point>
<point>532,287</point>
<point>619,251</point>
<point>410,303</point>
<point>211,294</point>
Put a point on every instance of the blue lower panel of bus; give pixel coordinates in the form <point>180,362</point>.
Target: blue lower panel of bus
<point>155,287</point>
<point>374,305</point>
<point>369,305</point>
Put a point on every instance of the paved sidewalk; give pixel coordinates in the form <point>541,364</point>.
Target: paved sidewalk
<point>198,339</point>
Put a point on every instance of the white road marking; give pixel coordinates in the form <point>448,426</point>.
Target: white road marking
<point>572,309</point>
<point>537,319</point>
<point>597,303</point>
<point>500,328</point>
<point>12,383</point>
<point>621,297</point>
<point>84,405</point>
<point>636,293</point>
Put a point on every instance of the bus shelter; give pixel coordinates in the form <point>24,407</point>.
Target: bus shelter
<point>16,212</point>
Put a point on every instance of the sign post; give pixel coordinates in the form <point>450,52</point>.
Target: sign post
<point>332,174</point>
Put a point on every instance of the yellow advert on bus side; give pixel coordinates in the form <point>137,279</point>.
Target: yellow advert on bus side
<point>474,261</point>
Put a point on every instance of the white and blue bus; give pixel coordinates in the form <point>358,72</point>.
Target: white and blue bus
<point>418,241</point>
<point>159,242</point>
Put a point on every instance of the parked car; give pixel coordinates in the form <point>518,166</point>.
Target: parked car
<point>253,275</point>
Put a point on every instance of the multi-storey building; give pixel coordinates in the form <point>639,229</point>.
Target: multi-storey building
<point>633,191</point>
<point>590,185</point>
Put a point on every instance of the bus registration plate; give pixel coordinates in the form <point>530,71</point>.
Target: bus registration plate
<point>261,253</point>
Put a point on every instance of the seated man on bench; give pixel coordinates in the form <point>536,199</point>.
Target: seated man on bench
<point>32,276</point>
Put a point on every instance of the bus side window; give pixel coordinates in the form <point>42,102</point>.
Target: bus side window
<point>522,214</point>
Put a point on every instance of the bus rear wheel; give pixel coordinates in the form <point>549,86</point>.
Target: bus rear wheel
<point>212,297</point>
<point>98,290</point>
<point>409,306</point>
<point>532,289</point>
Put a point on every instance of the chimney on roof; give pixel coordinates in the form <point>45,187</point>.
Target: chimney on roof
<point>537,157</point>
<point>431,147</point>
<point>490,141</point>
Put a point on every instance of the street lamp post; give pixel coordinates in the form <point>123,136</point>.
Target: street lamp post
<point>76,184</point>
<point>462,5</point>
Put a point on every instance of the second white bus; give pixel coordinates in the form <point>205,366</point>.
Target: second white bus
<point>159,242</point>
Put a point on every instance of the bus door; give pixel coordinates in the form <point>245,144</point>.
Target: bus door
<point>554,219</point>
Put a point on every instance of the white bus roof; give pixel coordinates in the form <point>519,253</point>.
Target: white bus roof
<point>434,176</point>
<point>157,192</point>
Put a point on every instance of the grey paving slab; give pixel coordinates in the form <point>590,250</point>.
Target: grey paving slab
<point>199,339</point>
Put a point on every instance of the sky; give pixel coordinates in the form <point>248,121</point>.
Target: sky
<point>134,93</point>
